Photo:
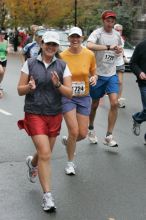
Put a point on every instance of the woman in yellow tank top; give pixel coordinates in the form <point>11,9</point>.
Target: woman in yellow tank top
<point>82,65</point>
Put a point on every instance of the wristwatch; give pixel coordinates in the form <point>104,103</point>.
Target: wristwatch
<point>108,47</point>
<point>57,85</point>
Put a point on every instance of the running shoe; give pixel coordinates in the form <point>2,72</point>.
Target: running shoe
<point>136,128</point>
<point>109,141</point>
<point>92,137</point>
<point>48,203</point>
<point>32,171</point>
<point>70,168</point>
<point>121,103</point>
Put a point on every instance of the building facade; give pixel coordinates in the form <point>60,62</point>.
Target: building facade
<point>139,30</point>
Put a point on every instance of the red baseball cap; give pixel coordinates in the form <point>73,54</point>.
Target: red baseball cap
<point>107,14</point>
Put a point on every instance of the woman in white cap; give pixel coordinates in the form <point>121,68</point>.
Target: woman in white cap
<point>43,81</point>
<point>82,65</point>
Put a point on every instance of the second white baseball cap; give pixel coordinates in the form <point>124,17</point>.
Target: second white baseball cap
<point>75,30</point>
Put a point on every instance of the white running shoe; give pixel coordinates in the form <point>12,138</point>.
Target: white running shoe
<point>110,142</point>
<point>32,171</point>
<point>48,203</point>
<point>70,169</point>
<point>92,137</point>
<point>136,128</point>
<point>121,103</point>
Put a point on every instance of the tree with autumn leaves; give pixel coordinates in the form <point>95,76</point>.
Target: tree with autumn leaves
<point>57,13</point>
<point>52,13</point>
<point>26,12</point>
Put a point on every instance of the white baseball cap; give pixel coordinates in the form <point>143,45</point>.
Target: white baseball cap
<point>51,36</point>
<point>75,30</point>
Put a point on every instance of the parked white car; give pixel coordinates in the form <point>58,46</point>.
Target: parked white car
<point>64,43</point>
<point>128,52</point>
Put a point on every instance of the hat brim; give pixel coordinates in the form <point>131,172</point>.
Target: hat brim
<point>51,40</point>
<point>75,33</point>
<point>109,15</point>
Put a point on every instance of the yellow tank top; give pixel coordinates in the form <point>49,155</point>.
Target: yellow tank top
<point>80,65</point>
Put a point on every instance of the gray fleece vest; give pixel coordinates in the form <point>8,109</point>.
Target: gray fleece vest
<point>45,99</point>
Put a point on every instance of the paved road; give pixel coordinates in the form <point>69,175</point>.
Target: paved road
<point>108,185</point>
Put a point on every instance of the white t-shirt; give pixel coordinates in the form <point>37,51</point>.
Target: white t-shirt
<point>106,60</point>
<point>26,70</point>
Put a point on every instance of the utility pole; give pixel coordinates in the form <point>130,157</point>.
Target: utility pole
<point>75,11</point>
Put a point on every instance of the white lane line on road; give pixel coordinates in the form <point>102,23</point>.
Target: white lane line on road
<point>4,112</point>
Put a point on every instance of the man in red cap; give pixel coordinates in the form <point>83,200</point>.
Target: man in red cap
<point>106,43</point>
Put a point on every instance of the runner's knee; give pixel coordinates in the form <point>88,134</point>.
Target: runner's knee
<point>114,104</point>
<point>73,133</point>
<point>44,156</point>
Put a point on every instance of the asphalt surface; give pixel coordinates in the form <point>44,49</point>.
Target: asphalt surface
<point>109,185</point>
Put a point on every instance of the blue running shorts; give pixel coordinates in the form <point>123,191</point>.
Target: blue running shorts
<point>81,104</point>
<point>104,85</point>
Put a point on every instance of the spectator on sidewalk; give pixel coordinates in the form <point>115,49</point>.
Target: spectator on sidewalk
<point>31,38</point>
<point>16,40</point>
